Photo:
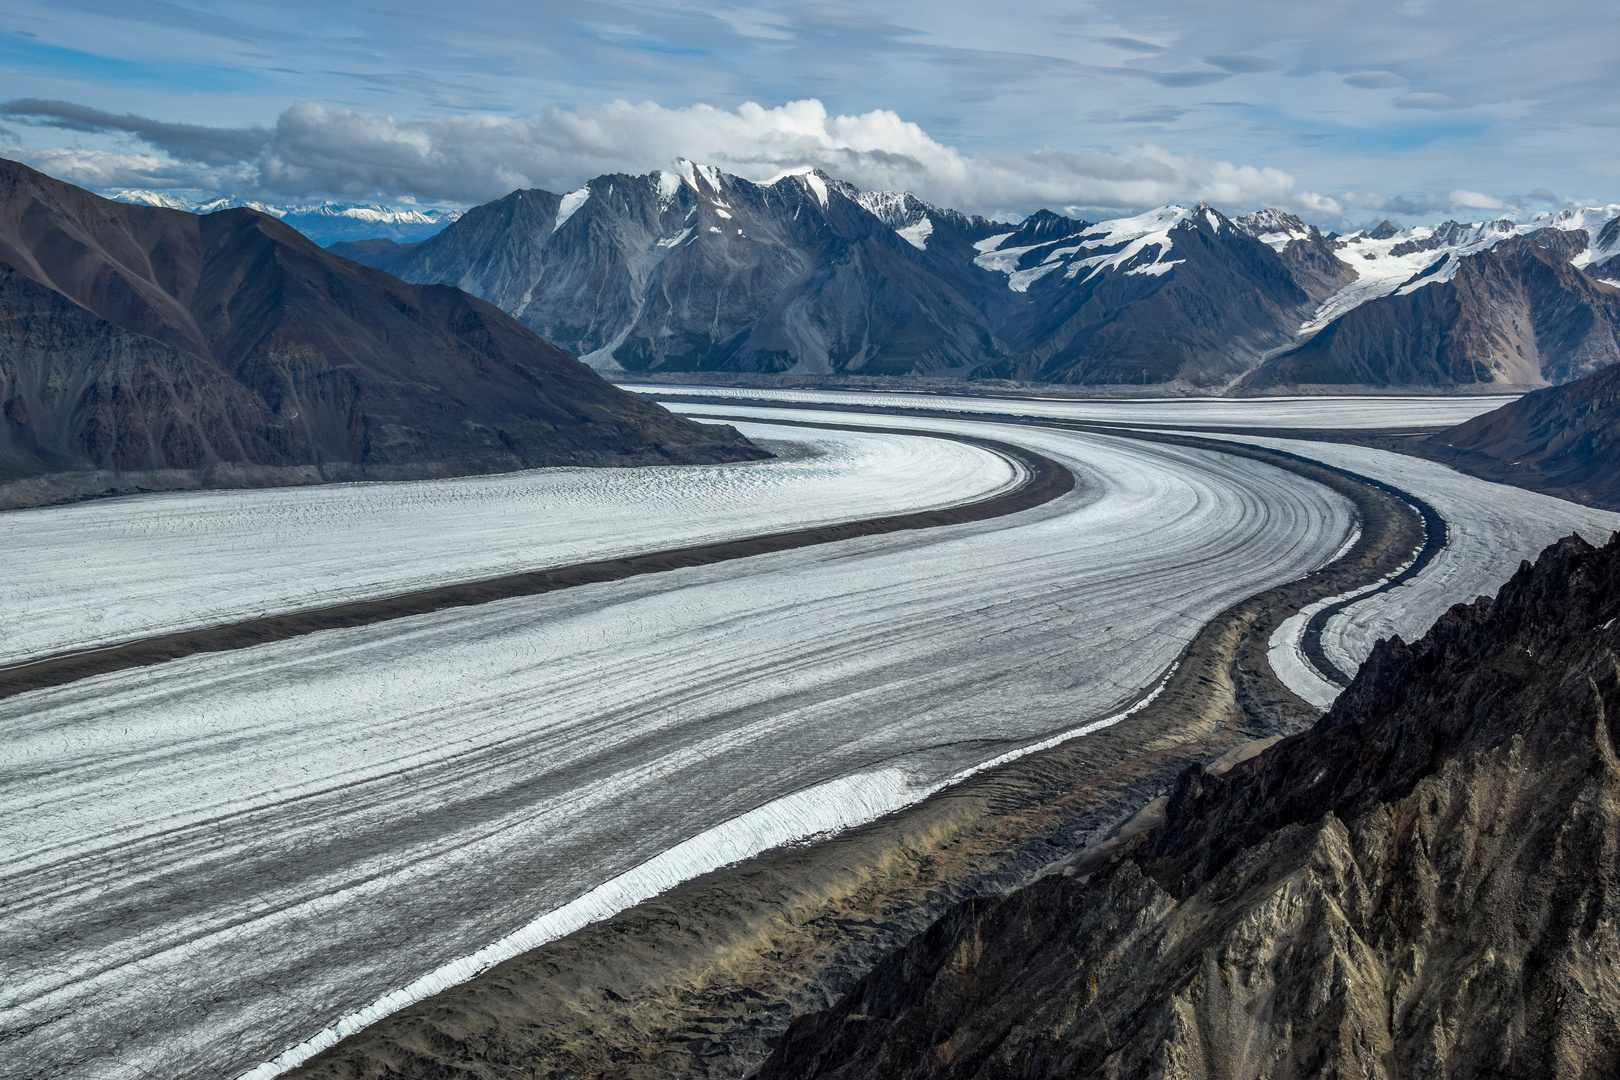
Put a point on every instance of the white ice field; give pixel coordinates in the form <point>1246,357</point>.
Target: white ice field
<point>95,573</point>
<point>214,860</point>
<point>1364,412</point>
<point>211,862</point>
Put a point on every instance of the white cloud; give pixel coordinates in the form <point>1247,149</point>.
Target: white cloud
<point>1473,200</point>
<point>1318,204</point>
<point>313,150</point>
<point>103,169</point>
<point>480,156</point>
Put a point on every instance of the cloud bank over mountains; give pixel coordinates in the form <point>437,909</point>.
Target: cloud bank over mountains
<point>1411,108</point>
<point>314,151</point>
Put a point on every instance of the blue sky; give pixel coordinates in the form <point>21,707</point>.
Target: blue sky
<point>1340,111</point>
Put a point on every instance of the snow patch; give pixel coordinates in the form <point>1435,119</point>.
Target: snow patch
<point>1021,280</point>
<point>816,185</point>
<point>570,205</point>
<point>917,235</point>
<point>1122,244</point>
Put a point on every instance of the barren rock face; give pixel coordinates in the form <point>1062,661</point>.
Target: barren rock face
<point>137,338</point>
<point>1424,884</point>
<point>710,272</point>
<point>1519,313</point>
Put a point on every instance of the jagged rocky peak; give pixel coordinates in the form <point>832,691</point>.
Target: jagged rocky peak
<point>1275,227</point>
<point>1426,883</point>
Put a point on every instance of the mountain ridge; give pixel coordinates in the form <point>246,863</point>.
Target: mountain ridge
<point>693,270</point>
<point>142,339</point>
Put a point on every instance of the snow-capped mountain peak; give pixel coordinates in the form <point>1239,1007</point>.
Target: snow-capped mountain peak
<point>1389,260</point>
<point>1275,228</point>
<point>1046,242</point>
<point>323,222</point>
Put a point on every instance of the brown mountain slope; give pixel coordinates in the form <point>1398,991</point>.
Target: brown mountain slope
<point>1426,883</point>
<point>1564,440</point>
<point>137,338</point>
<point>1517,313</point>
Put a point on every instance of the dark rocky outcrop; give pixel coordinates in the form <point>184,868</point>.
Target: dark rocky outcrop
<point>1425,883</point>
<point>1562,440</point>
<point>1309,256</point>
<point>1518,313</point>
<point>142,339</point>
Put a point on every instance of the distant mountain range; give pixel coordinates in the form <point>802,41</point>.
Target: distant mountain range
<point>138,339</point>
<point>695,270</point>
<point>323,222</point>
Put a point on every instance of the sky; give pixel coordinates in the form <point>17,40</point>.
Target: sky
<point>1341,112</point>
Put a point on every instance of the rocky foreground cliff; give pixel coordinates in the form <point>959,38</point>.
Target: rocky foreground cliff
<point>1424,884</point>
<point>144,340</point>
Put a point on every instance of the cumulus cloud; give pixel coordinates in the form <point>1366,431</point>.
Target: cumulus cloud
<point>313,150</point>
<point>1318,204</point>
<point>1474,200</point>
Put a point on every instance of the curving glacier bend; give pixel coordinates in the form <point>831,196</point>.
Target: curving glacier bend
<point>212,860</point>
<point>1490,527</point>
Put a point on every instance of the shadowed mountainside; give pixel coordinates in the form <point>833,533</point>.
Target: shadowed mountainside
<point>1424,883</point>
<point>1563,440</point>
<point>142,339</point>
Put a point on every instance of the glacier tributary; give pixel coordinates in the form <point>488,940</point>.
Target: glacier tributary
<point>1490,529</point>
